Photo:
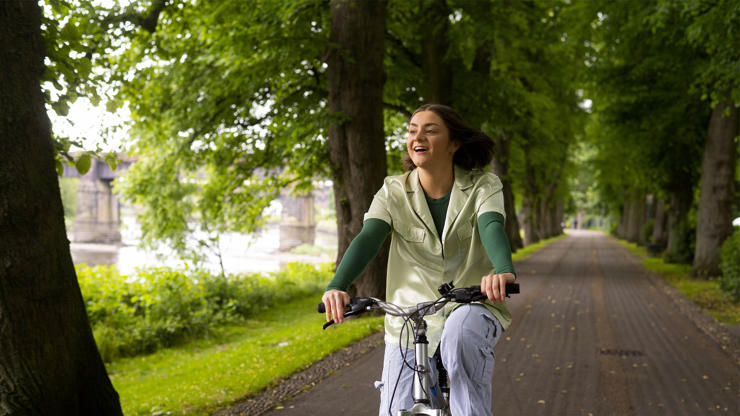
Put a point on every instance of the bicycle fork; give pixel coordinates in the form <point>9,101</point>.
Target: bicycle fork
<point>421,388</point>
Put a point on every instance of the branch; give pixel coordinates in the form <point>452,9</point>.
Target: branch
<point>148,22</point>
<point>414,58</point>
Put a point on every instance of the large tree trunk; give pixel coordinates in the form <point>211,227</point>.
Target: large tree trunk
<point>49,364</point>
<point>357,143</point>
<point>714,218</point>
<point>437,83</point>
<point>500,166</point>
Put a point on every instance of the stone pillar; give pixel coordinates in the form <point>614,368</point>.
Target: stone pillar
<point>98,217</point>
<point>297,222</point>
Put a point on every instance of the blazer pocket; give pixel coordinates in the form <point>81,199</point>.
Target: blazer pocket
<point>464,231</point>
<point>411,234</point>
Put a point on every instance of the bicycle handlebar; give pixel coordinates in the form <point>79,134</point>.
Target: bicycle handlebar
<point>449,294</point>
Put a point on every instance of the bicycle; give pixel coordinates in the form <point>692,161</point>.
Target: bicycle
<point>422,391</point>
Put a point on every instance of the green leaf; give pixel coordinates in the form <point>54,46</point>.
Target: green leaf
<point>60,167</point>
<point>83,163</point>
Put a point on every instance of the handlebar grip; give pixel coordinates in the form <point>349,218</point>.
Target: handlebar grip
<point>512,288</point>
<point>321,307</point>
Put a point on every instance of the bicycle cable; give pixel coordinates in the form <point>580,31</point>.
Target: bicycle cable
<point>403,352</point>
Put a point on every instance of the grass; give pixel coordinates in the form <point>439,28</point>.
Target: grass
<point>205,375</point>
<point>527,251</point>
<point>705,293</point>
<point>313,250</point>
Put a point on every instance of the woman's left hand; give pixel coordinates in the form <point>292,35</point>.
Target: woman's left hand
<point>494,286</point>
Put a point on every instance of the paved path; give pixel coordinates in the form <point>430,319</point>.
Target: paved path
<point>593,334</point>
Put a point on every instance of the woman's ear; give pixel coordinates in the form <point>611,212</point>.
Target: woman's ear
<point>455,145</point>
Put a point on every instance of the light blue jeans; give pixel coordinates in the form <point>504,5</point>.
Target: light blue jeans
<point>470,334</point>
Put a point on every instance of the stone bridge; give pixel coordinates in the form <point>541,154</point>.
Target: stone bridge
<point>98,216</point>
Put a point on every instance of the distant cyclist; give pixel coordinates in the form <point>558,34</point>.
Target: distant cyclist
<point>446,217</point>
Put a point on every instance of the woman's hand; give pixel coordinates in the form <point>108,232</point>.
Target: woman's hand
<point>335,300</point>
<point>494,286</point>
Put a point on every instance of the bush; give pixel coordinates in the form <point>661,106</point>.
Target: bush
<point>160,307</point>
<point>729,281</point>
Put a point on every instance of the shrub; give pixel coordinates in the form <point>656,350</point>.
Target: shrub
<point>729,281</point>
<point>160,307</point>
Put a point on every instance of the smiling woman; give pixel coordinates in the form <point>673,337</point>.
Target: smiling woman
<point>431,213</point>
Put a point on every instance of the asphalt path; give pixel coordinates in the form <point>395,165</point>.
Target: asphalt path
<point>594,333</point>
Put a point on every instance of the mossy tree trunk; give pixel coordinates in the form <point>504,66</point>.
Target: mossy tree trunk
<point>714,217</point>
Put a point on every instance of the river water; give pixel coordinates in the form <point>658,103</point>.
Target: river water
<point>240,252</point>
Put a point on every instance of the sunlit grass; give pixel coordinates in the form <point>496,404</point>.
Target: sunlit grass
<point>705,293</point>
<point>202,376</point>
<point>527,251</point>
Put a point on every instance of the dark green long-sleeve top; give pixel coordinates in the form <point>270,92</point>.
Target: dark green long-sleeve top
<point>367,243</point>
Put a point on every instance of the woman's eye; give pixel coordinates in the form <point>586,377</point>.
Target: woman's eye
<point>412,131</point>
<point>431,131</point>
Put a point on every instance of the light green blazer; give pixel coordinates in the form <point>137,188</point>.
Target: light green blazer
<point>419,261</point>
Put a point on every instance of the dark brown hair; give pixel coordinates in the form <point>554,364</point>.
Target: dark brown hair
<point>476,148</point>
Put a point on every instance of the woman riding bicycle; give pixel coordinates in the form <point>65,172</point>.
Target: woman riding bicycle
<point>447,218</point>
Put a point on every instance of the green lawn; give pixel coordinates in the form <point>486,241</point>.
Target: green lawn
<point>705,293</point>
<point>202,376</point>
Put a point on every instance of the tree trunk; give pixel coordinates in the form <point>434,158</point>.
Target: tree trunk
<point>714,217</point>
<point>544,226</point>
<point>530,204</point>
<point>49,364</point>
<point>659,236</point>
<point>678,229</point>
<point>636,218</point>
<point>357,142</point>
<point>500,166</point>
<point>623,220</point>
<point>437,83</point>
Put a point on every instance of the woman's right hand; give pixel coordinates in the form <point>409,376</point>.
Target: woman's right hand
<point>335,301</point>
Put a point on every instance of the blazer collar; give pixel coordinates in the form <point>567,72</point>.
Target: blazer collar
<point>458,197</point>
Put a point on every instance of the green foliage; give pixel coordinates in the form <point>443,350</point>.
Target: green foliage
<point>160,307</point>
<point>228,104</point>
<point>68,189</point>
<point>729,281</point>
<point>77,52</point>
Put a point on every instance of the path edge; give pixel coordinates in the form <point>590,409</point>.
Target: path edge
<point>302,381</point>
<point>726,336</point>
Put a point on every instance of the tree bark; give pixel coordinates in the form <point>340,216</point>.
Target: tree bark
<point>714,217</point>
<point>500,166</point>
<point>623,220</point>
<point>659,236</point>
<point>636,218</point>
<point>530,204</point>
<point>529,212</point>
<point>678,229</point>
<point>356,139</point>
<point>437,84</point>
<point>49,363</point>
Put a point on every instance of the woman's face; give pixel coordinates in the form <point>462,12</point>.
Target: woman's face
<point>428,142</point>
